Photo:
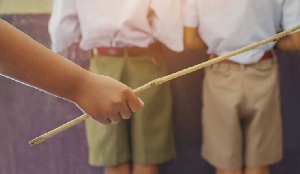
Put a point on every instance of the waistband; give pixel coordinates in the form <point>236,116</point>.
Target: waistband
<point>156,47</point>
<point>267,55</point>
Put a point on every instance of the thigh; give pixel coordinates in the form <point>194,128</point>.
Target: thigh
<point>222,134</point>
<point>108,144</point>
<point>152,127</point>
<point>263,132</point>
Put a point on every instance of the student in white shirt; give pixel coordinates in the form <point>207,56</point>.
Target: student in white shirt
<point>27,61</point>
<point>125,40</point>
<point>242,130</point>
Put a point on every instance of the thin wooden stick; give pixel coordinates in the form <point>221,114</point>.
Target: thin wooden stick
<point>63,127</point>
<point>168,78</point>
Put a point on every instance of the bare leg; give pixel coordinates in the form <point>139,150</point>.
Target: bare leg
<point>222,171</point>
<point>144,169</point>
<point>118,169</point>
<point>257,170</point>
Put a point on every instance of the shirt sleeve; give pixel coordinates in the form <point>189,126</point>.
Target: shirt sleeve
<point>291,14</point>
<point>63,25</point>
<point>190,13</point>
<point>167,23</point>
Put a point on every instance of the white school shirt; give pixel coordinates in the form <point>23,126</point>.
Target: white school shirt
<point>116,23</point>
<point>228,25</point>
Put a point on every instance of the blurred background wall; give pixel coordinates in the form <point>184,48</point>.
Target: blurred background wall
<point>26,113</point>
<point>25,6</point>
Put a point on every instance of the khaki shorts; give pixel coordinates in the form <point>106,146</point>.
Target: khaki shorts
<point>146,138</point>
<point>241,115</point>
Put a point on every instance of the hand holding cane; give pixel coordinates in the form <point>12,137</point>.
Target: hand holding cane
<point>168,78</point>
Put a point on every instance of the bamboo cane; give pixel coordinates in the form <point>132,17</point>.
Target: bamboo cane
<point>168,78</point>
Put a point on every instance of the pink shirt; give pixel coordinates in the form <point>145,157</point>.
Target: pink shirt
<point>116,23</point>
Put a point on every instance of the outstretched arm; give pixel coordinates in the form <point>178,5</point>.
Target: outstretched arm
<point>103,98</point>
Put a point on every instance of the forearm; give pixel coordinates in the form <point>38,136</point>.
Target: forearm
<point>192,39</point>
<point>289,43</point>
<point>26,60</point>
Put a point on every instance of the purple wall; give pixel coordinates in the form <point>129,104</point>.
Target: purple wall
<point>27,113</point>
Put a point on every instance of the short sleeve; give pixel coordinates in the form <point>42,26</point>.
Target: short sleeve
<point>291,14</point>
<point>190,13</point>
<point>167,23</point>
<point>63,25</point>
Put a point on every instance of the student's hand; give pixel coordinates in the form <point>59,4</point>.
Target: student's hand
<point>289,43</point>
<point>106,99</point>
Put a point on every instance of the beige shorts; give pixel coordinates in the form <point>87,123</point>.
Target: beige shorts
<point>241,115</point>
<point>146,138</point>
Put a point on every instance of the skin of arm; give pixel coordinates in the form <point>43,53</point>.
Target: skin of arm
<point>103,98</point>
<point>289,43</point>
<point>192,40</point>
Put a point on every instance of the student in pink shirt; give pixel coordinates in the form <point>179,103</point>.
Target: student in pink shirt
<point>125,40</point>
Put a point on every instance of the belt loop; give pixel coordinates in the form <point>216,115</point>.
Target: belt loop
<point>242,67</point>
<point>125,51</point>
<point>274,57</point>
<point>215,66</point>
<point>94,52</point>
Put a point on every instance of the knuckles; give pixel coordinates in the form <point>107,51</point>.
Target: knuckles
<point>104,121</point>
